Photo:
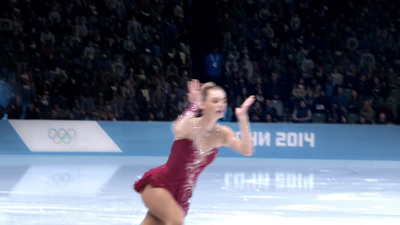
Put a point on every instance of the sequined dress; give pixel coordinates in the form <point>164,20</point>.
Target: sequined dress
<point>179,174</point>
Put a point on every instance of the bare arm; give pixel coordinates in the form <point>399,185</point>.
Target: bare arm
<point>309,115</point>
<point>244,145</point>
<point>183,124</point>
<point>294,115</point>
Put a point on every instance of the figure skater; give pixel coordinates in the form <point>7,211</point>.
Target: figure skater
<point>167,189</point>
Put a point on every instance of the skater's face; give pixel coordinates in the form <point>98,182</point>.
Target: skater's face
<point>215,103</point>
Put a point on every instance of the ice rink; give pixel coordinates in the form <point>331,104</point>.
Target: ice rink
<point>71,189</point>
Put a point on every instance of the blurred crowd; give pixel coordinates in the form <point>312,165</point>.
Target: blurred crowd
<point>321,61</point>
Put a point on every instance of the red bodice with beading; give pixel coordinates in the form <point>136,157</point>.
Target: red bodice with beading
<point>179,174</point>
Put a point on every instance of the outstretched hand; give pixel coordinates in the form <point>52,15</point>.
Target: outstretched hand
<point>194,92</point>
<point>241,112</point>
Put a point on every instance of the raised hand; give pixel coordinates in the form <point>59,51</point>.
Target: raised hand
<point>242,111</point>
<point>194,92</point>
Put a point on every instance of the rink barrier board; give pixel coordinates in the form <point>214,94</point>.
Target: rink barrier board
<point>308,141</point>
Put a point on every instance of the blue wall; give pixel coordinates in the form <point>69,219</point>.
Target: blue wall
<point>316,141</point>
<point>274,140</point>
<point>10,142</point>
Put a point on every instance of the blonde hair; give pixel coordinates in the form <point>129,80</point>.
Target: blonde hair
<point>208,86</point>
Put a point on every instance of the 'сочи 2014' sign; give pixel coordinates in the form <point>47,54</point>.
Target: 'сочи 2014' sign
<point>283,139</point>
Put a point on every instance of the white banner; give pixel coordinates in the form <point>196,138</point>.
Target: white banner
<point>64,136</point>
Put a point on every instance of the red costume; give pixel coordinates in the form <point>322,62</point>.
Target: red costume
<point>179,174</point>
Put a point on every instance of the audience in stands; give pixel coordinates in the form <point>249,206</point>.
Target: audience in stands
<point>130,60</point>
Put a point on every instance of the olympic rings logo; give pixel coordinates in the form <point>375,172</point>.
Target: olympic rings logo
<point>61,135</point>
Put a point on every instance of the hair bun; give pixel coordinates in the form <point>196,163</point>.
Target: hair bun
<point>208,85</point>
